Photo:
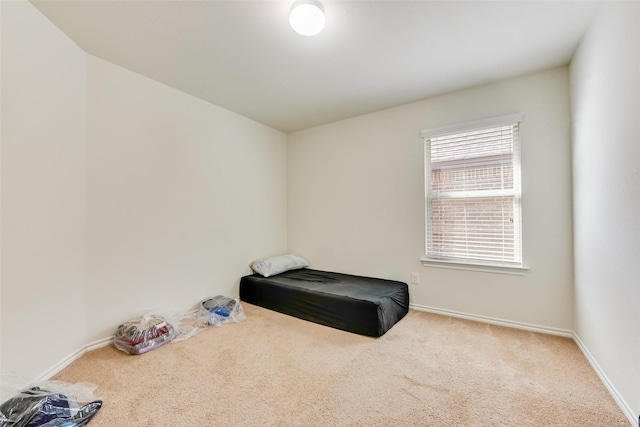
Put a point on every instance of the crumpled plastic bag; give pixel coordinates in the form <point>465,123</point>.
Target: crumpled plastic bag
<point>49,404</point>
<point>143,334</point>
<point>220,310</point>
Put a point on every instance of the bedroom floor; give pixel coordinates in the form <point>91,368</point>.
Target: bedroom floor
<point>275,370</point>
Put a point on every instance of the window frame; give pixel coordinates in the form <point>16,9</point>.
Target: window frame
<point>503,267</point>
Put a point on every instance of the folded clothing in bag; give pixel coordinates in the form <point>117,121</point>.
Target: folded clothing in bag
<point>143,334</point>
<point>221,309</point>
<point>38,407</point>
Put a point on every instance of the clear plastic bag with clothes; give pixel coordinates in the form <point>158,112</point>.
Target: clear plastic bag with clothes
<point>47,404</point>
<point>144,334</point>
<point>220,310</point>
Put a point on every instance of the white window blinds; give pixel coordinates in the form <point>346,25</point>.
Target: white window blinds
<point>472,178</point>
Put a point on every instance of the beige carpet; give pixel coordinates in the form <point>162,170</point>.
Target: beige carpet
<point>276,370</point>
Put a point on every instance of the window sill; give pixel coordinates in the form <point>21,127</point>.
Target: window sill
<point>469,266</point>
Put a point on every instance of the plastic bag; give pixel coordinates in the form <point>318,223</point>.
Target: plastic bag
<point>144,334</point>
<point>187,325</point>
<point>50,404</point>
<point>220,310</point>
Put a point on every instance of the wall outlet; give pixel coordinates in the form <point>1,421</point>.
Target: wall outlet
<point>415,278</point>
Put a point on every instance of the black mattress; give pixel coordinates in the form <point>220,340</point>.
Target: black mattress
<point>363,305</point>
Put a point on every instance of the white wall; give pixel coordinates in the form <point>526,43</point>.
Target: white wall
<point>182,195</point>
<point>43,192</point>
<point>605,87</point>
<point>0,186</point>
<point>119,195</point>
<point>356,199</point>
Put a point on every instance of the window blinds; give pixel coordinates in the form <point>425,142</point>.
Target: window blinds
<point>473,194</point>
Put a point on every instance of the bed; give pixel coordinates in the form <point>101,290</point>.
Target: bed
<point>363,305</point>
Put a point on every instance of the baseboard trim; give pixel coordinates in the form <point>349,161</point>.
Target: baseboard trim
<point>495,321</point>
<point>626,409</point>
<point>72,357</point>
<point>99,343</point>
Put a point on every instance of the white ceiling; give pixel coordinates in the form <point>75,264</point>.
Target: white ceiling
<point>243,56</point>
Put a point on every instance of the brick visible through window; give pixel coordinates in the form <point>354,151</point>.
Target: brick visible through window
<point>473,194</point>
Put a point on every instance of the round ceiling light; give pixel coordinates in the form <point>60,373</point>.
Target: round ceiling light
<point>307,17</point>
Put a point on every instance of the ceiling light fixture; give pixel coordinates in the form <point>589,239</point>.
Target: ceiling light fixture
<point>307,17</point>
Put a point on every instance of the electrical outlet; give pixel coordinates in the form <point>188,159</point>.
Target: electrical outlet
<point>415,278</point>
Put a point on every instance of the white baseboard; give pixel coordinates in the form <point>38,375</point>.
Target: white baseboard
<point>633,418</point>
<point>494,321</point>
<point>99,343</point>
<point>73,356</point>
<point>626,409</point>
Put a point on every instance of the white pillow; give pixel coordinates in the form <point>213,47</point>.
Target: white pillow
<point>278,264</point>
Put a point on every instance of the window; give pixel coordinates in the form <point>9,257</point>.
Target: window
<point>472,188</point>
